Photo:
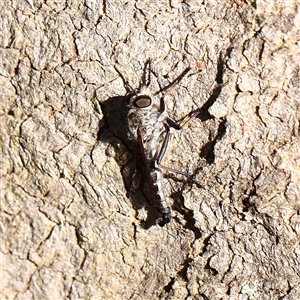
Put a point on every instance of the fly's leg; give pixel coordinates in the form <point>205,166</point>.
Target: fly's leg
<point>183,173</point>
<point>171,86</point>
<point>165,209</point>
<point>190,118</point>
<point>162,153</point>
<point>177,126</point>
<point>163,149</point>
<point>144,82</point>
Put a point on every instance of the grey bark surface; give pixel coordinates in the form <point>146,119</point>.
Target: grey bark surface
<point>71,227</point>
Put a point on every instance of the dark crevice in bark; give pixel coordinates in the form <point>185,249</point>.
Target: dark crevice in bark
<point>207,151</point>
<point>187,213</point>
<point>169,286</point>
<point>183,271</point>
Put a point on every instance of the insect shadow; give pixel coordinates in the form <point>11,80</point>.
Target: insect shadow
<point>114,131</point>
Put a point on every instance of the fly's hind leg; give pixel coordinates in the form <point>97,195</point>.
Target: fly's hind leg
<point>165,209</point>
<point>163,149</point>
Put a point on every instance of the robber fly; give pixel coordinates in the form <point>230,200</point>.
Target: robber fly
<point>149,125</point>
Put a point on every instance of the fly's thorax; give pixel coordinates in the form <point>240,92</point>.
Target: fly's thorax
<point>142,116</point>
<point>135,122</point>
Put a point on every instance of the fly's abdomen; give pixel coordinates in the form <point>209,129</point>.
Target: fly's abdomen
<point>159,195</point>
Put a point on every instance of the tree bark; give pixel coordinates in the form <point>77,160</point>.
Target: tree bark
<point>72,227</point>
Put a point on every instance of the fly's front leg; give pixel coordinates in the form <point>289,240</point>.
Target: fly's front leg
<point>190,118</point>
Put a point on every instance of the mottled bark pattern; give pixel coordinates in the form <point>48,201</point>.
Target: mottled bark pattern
<point>71,228</point>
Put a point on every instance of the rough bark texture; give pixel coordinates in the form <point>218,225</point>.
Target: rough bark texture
<point>71,227</point>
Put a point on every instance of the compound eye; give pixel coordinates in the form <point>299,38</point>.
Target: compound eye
<point>142,101</point>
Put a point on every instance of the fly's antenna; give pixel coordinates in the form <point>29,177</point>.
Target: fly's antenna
<point>146,75</point>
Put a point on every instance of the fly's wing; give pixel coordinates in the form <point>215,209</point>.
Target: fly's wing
<point>131,173</point>
<point>146,165</point>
